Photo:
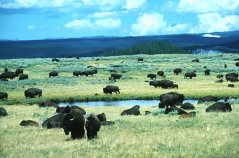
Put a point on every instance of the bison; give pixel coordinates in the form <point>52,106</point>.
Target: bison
<point>23,77</point>
<point>207,99</point>
<point>19,71</point>
<point>174,109</point>
<point>231,85</point>
<point>28,123</point>
<point>110,89</point>
<point>170,99</point>
<point>74,122</point>
<point>53,74</point>
<point>3,112</point>
<point>8,75</point>
<point>190,75</point>
<point>220,76</point>
<point>219,107</point>
<point>207,72</point>
<point>132,111</point>
<point>177,71</point>
<point>67,109</point>
<point>3,95</point>
<point>92,126</point>
<point>54,121</point>
<point>237,64</point>
<point>160,73</point>
<point>33,92</point>
<point>232,77</point>
<point>188,106</point>
<point>152,76</point>
<point>116,76</point>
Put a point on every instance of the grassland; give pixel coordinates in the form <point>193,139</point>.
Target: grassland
<point>208,135</point>
<point>65,87</point>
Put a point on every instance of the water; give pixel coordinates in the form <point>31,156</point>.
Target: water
<point>122,103</point>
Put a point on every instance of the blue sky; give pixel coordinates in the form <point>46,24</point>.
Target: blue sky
<point>40,19</point>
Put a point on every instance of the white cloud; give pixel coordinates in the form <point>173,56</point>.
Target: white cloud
<point>199,6</point>
<point>108,23</point>
<point>79,24</point>
<point>103,14</point>
<point>211,36</point>
<point>151,24</point>
<point>31,27</point>
<point>214,22</point>
<point>134,4</point>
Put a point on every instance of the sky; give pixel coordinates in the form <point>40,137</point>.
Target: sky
<point>41,19</point>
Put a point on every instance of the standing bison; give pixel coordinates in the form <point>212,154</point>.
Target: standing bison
<point>19,71</point>
<point>207,72</point>
<point>33,92</point>
<point>132,111</point>
<point>3,112</point>
<point>92,126</point>
<point>232,77</point>
<point>170,99</point>
<point>160,73</point>
<point>74,122</point>
<point>110,89</point>
<point>8,75</point>
<point>190,75</point>
<point>177,71</point>
<point>53,74</point>
<point>151,76</point>
<point>116,76</point>
<point>3,95</point>
<point>237,64</point>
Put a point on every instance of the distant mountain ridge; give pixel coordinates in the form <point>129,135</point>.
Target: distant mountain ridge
<point>94,46</point>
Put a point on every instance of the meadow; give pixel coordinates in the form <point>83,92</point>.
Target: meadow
<point>156,135</point>
<point>65,87</point>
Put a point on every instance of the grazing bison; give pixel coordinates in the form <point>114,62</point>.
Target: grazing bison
<point>225,65</point>
<point>103,121</point>
<point>54,121</point>
<point>220,76</point>
<point>132,111</point>
<point>92,126</point>
<point>204,67</point>
<point>170,99</point>
<point>89,72</point>
<point>110,88</point>
<point>231,85</point>
<point>55,59</point>
<point>231,76</point>
<point>188,115</point>
<point>160,73</point>
<point>101,117</point>
<point>28,123</point>
<point>8,75</point>
<point>151,76</point>
<point>174,109</point>
<point>3,95</point>
<point>3,112</point>
<point>33,92</point>
<point>74,122</point>
<point>190,75</point>
<point>48,104</point>
<point>19,71</point>
<point>67,109</point>
<point>207,99</point>
<point>195,60</point>
<point>53,74</point>
<point>219,107</point>
<point>177,71</point>
<point>116,76</point>
<point>237,64</point>
<point>77,73</point>
<point>147,112</point>
<point>207,72</point>
<point>188,106</point>
<point>154,83</point>
<point>167,84</point>
<point>23,77</point>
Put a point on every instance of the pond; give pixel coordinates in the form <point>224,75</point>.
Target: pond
<point>122,103</point>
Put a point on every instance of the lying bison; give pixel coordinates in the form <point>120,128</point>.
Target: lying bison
<point>54,121</point>
<point>151,76</point>
<point>28,123</point>
<point>188,115</point>
<point>110,89</point>
<point>170,99</point>
<point>207,99</point>
<point>140,59</point>
<point>23,77</point>
<point>195,60</point>
<point>3,112</point>
<point>233,77</point>
<point>55,59</point>
<point>48,104</point>
<point>231,85</point>
<point>33,92</point>
<point>116,76</point>
<point>220,76</point>
<point>74,122</point>
<point>177,71</point>
<point>92,126</point>
<point>3,95</point>
<point>53,74</point>
<point>174,109</point>
<point>132,111</point>
<point>188,106</point>
<point>219,107</point>
<point>190,75</point>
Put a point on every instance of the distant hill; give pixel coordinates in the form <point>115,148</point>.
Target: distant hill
<point>155,47</point>
<point>94,46</point>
